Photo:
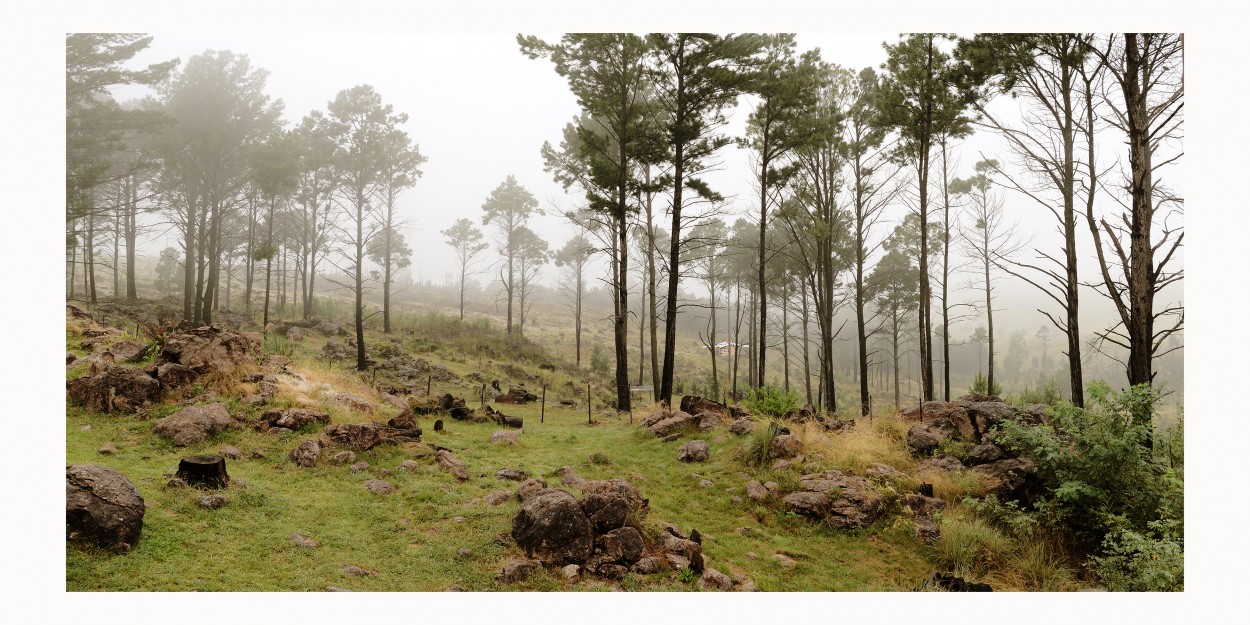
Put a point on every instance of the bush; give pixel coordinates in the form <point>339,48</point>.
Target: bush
<point>1150,561</point>
<point>599,359</point>
<point>771,401</point>
<point>1099,476</point>
<point>979,384</point>
<point>1048,394</point>
<point>1042,569</point>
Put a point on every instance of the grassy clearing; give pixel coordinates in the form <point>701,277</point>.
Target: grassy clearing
<point>410,540</point>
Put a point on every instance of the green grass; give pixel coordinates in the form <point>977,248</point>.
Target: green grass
<point>410,539</point>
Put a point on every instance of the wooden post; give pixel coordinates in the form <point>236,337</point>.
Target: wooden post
<point>589,421</point>
<point>542,416</point>
<point>428,382</point>
<point>482,396</point>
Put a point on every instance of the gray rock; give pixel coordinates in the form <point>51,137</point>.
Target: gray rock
<point>355,571</point>
<point>107,449</point>
<point>344,457</point>
<point>306,454</point>
<point>705,484</point>
<point>647,566</point>
<point>499,497</point>
<point>193,424</point>
<point>926,528</point>
<point>571,572</point>
<point>571,479</point>
<point>808,503</point>
<point>117,388</point>
<point>945,463</point>
<point>756,491</point>
<point>693,451</point>
<point>230,451</point>
<point>737,501</point>
<point>102,508</point>
<point>212,502</point>
<point>676,422</point>
<point>408,466</point>
<point>742,426</point>
<point>985,453</point>
<point>516,571</point>
<point>713,579</point>
<point>504,437</point>
<point>452,464</point>
<point>379,487</point>
<point>529,488</point>
<point>606,510</point>
<point>621,545</point>
<point>785,561</point>
<point>880,471</point>
<point>359,466</point>
<point>516,475</point>
<point>785,446</point>
<point>552,527</point>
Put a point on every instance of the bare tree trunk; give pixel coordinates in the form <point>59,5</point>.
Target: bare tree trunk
<point>807,365</point>
<point>132,200</point>
<point>269,266</point>
<point>946,267</point>
<point>90,257</point>
<point>188,267</point>
<point>785,332</point>
<point>361,363</point>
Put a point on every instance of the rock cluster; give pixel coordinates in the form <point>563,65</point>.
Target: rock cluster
<point>845,501</point>
<point>597,533</point>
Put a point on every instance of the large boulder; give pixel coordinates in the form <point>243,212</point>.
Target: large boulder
<point>1012,478</point>
<point>623,544</point>
<point>940,465</point>
<point>173,375</point>
<point>930,410</point>
<point>210,349</point>
<point>306,454</point>
<point>808,503</point>
<point>985,453</point>
<point>926,436</point>
<point>694,404</point>
<point>637,504</point>
<point>353,436</point>
<point>742,426</point>
<point>118,388</point>
<point>127,351</point>
<point>675,423</point>
<point>294,418</point>
<point>102,508</point>
<point>606,510</point>
<point>193,424</point>
<point>852,500</point>
<point>551,527</point>
<point>784,446</point>
<point>693,451</point>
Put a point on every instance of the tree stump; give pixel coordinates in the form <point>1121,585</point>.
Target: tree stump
<point>926,489</point>
<point>438,425</point>
<point>203,471</point>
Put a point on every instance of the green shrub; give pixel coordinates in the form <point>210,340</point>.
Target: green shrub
<point>979,384</point>
<point>1005,515</point>
<point>1045,394</point>
<point>1098,475</point>
<point>771,401</point>
<point>1150,561</point>
<point>598,359</point>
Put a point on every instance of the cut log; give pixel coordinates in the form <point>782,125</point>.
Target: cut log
<point>203,471</point>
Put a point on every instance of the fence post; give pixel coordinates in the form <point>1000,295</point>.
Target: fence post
<point>589,421</point>
<point>542,416</point>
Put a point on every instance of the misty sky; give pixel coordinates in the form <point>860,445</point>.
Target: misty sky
<point>480,111</point>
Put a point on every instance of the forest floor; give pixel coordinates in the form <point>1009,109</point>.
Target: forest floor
<point>434,533</point>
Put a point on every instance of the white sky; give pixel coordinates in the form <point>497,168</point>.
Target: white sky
<point>34,66</point>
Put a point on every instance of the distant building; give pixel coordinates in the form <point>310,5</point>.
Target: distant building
<point>725,348</point>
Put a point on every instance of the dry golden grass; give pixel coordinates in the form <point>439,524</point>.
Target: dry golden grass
<point>855,451</point>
